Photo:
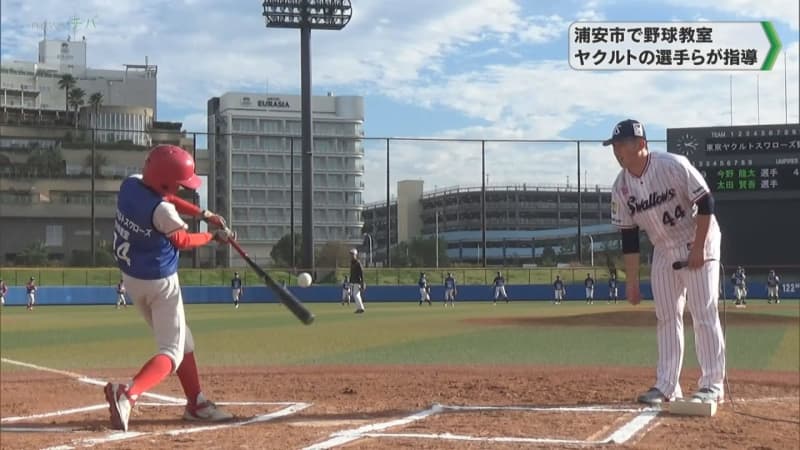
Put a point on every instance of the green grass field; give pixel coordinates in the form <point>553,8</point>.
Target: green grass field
<point>90,337</point>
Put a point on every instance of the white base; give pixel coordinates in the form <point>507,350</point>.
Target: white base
<point>686,407</point>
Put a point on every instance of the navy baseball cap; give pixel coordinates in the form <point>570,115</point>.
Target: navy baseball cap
<point>626,129</point>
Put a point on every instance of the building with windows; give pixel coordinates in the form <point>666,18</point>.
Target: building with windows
<point>45,153</point>
<point>520,220</point>
<point>46,189</point>
<point>30,92</point>
<point>254,145</point>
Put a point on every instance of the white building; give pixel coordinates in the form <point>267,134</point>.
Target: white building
<point>251,139</point>
<point>29,89</point>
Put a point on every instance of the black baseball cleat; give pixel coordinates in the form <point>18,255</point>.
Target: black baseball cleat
<point>359,311</point>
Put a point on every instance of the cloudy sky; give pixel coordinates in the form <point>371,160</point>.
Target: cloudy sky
<point>446,68</point>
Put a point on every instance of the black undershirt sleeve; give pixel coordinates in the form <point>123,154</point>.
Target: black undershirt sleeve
<point>630,240</point>
<point>705,205</point>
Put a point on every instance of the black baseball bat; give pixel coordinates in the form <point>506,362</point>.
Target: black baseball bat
<point>288,299</point>
<point>678,265</point>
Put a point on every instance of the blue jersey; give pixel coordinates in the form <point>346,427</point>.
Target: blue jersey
<point>558,285</point>
<point>772,280</point>
<point>141,251</point>
<point>450,283</point>
<point>423,282</point>
<point>738,279</point>
<point>346,286</point>
<point>589,282</point>
<point>30,287</point>
<point>236,283</point>
<point>499,281</point>
<point>612,283</point>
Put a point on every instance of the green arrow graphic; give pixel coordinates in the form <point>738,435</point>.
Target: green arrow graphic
<point>774,46</point>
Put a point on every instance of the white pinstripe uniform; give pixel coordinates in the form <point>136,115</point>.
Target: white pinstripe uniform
<point>661,202</point>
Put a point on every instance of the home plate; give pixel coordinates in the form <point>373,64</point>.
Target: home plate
<point>686,407</point>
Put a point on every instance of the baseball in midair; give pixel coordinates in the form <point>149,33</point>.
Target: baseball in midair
<point>304,279</point>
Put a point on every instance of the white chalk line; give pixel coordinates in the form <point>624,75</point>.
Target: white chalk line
<point>343,437</point>
<point>587,409</point>
<point>764,400</point>
<point>62,412</point>
<point>38,429</point>
<point>627,431</point>
<point>499,439</point>
<point>122,436</point>
<point>66,412</point>
<point>87,380</point>
<point>620,436</point>
<point>289,408</point>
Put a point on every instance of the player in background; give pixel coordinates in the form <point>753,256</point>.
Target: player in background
<point>772,287</point>
<point>424,292</point>
<point>30,288</point>
<point>739,287</point>
<point>149,234</point>
<point>450,290</point>
<point>588,283</point>
<point>345,291</point>
<point>558,290</point>
<point>499,287</point>
<point>357,284</point>
<point>236,289</point>
<point>121,294</point>
<point>667,197</point>
<point>613,291</point>
<point>3,292</point>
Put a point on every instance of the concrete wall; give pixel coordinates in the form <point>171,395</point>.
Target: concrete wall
<point>97,295</point>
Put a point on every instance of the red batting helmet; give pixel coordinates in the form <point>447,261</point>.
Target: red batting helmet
<point>167,167</point>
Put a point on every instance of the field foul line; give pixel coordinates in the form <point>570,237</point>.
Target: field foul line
<point>66,412</point>
<point>593,408</point>
<point>343,437</point>
<point>620,436</point>
<point>83,379</point>
<point>122,436</point>
<point>765,400</point>
<point>38,429</point>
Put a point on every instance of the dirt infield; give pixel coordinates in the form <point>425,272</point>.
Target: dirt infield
<point>765,414</point>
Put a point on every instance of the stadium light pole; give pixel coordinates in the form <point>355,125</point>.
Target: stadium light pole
<point>437,238</point>
<point>306,15</point>
<point>369,240</point>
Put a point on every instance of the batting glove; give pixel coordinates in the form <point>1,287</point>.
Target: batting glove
<point>224,235</point>
<point>214,219</point>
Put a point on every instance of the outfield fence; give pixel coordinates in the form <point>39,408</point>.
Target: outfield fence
<point>373,276</point>
<point>50,276</point>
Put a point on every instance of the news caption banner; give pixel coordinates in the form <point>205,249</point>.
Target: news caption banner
<point>673,45</point>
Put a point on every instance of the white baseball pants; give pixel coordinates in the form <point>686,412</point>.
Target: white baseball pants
<point>672,291</point>
<point>161,304</point>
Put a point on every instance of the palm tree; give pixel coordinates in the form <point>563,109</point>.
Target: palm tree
<point>75,100</point>
<point>95,101</point>
<point>67,82</point>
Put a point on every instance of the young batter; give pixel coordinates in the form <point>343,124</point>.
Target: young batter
<point>148,234</point>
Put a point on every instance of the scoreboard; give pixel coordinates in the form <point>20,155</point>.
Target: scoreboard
<point>754,161</point>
